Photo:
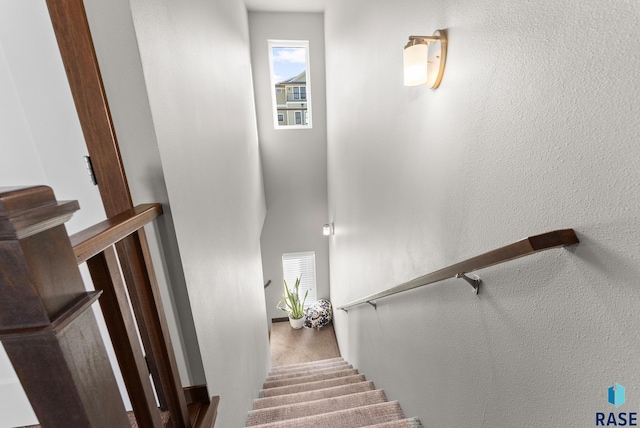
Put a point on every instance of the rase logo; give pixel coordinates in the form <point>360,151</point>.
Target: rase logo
<point>616,396</point>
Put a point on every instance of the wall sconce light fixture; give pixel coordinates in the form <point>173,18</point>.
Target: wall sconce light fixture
<point>424,59</point>
<point>327,229</point>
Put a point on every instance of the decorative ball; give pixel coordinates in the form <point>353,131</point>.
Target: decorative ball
<point>318,314</point>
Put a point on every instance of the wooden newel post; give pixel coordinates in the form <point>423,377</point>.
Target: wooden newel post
<point>46,324</point>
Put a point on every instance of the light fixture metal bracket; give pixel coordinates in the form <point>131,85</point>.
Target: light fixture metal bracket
<point>413,40</point>
<point>475,281</point>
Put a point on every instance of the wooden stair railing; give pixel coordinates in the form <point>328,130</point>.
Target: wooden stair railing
<point>95,246</point>
<point>52,339</point>
<point>44,309</point>
<point>524,247</point>
<point>71,28</point>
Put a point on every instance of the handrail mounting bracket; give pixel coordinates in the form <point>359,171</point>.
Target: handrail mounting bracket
<point>474,282</point>
<point>375,305</point>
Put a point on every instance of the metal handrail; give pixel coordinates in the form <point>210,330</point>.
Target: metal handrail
<point>524,247</point>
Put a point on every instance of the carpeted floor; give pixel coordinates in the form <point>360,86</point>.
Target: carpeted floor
<point>164,416</point>
<point>328,393</point>
<point>289,346</point>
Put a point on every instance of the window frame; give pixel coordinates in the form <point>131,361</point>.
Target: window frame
<point>274,105</point>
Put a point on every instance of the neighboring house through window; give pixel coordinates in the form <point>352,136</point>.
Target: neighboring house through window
<point>289,67</point>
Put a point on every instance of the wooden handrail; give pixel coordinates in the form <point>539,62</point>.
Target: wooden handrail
<point>95,239</point>
<point>524,247</point>
<point>95,245</point>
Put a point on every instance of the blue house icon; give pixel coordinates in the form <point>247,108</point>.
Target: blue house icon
<point>616,395</point>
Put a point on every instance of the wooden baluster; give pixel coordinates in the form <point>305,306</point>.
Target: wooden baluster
<point>46,325</point>
<point>105,273</point>
<point>147,305</point>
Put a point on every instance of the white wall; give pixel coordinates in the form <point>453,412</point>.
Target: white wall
<point>21,166</point>
<point>195,58</point>
<point>294,161</point>
<point>535,127</point>
<point>42,140</point>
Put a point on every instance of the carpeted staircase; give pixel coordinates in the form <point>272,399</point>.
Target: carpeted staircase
<point>327,393</point>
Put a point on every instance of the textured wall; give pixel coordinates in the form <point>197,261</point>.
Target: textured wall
<point>294,161</point>
<point>195,58</point>
<point>534,127</point>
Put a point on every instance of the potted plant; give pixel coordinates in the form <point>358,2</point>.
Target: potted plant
<point>292,304</point>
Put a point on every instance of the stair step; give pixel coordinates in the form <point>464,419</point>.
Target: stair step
<point>403,423</point>
<point>352,418</point>
<point>326,393</point>
<point>310,408</point>
<point>309,378</point>
<point>318,394</point>
<point>342,366</point>
<point>290,389</point>
<point>309,364</point>
<point>288,369</point>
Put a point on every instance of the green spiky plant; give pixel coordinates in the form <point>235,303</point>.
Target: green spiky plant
<point>292,302</point>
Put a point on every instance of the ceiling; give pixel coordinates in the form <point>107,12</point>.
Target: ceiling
<point>286,5</point>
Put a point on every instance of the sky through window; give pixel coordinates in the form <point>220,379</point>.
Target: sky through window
<point>288,62</point>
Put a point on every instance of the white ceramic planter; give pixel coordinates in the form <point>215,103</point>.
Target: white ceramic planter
<point>296,323</point>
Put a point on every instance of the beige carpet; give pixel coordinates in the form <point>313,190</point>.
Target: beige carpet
<point>324,394</point>
<point>289,346</point>
<point>164,416</point>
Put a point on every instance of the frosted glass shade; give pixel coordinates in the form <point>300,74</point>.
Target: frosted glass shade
<point>415,64</point>
<point>327,229</point>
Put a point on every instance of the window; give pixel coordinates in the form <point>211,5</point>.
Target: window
<point>290,82</point>
<point>303,266</point>
<point>280,117</point>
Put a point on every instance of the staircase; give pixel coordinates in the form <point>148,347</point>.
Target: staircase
<point>327,393</point>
